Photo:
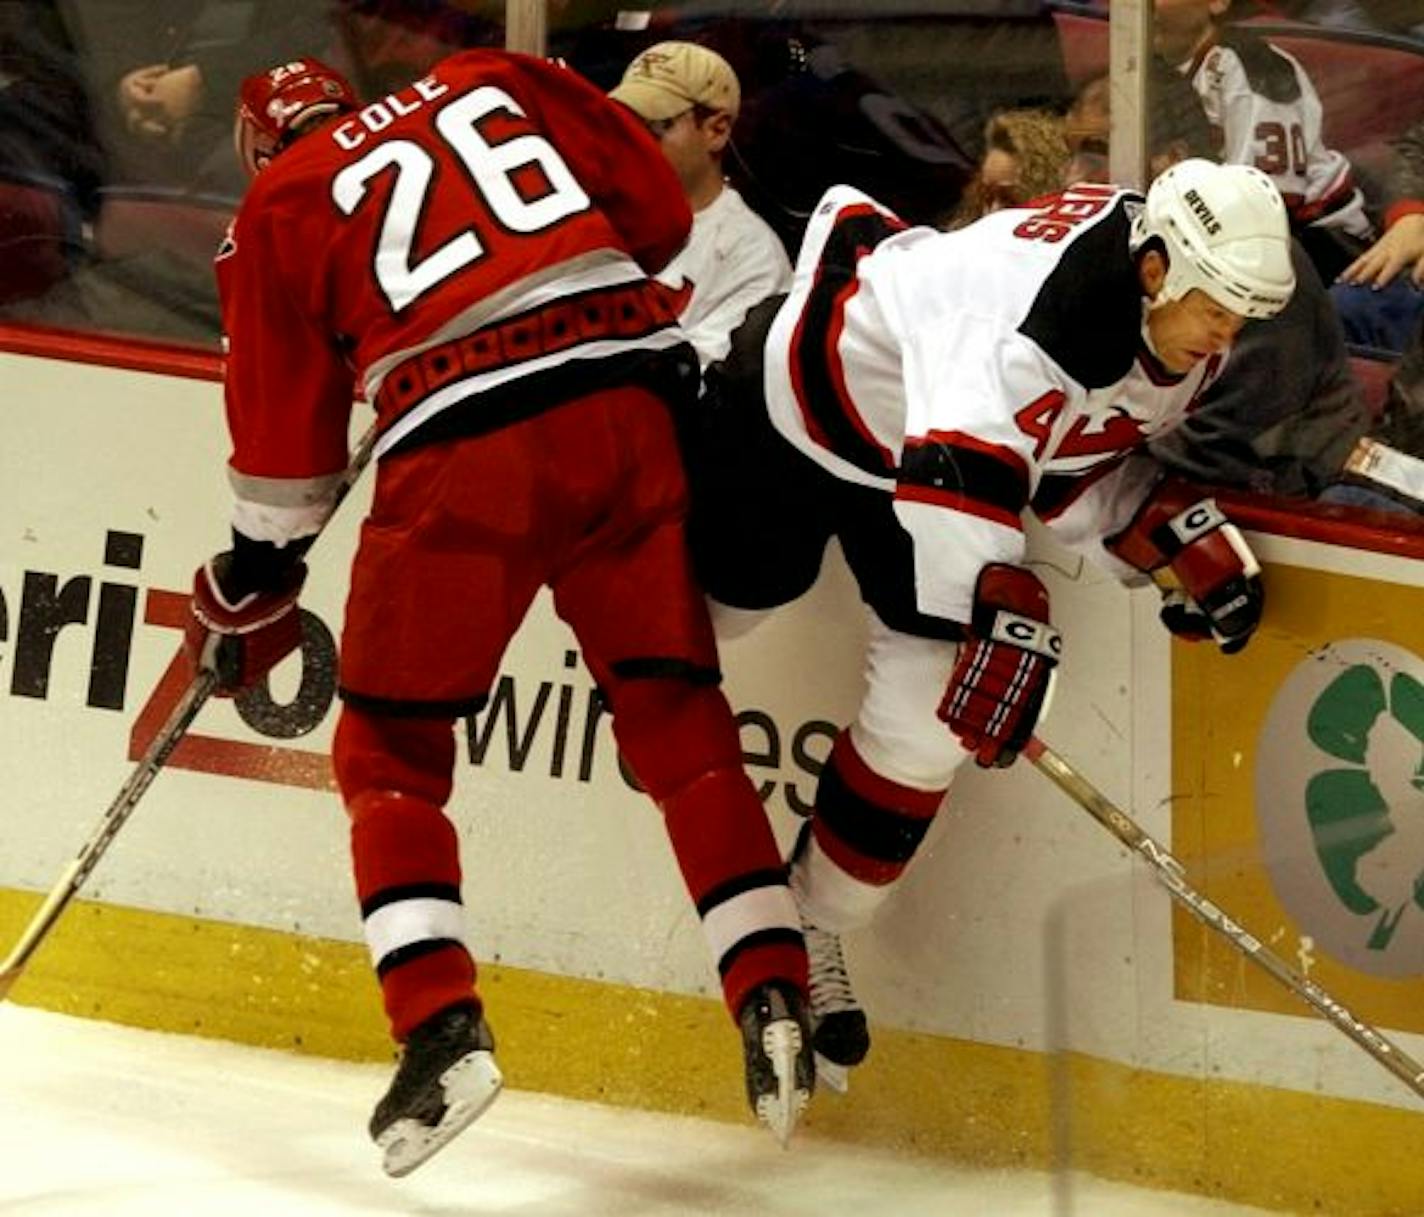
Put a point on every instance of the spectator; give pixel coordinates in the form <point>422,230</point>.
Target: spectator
<point>1402,422</point>
<point>1381,294</point>
<point>811,118</point>
<point>1025,152</point>
<point>688,97</point>
<point>1177,124</point>
<point>1390,483</point>
<point>1286,410</point>
<point>175,111</point>
<point>524,373</point>
<point>1269,116</point>
<point>51,163</point>
<point>913,396</point>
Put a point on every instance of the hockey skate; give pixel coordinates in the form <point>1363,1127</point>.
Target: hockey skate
<point>776,1039</point>
<point>840,1035</point>
<point>445,1080</point>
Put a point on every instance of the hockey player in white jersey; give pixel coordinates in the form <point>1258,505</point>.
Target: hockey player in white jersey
<point>1268,114</point>
<point>914,395</point>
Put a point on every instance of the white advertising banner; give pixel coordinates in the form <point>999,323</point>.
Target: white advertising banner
<point>1021,923</point>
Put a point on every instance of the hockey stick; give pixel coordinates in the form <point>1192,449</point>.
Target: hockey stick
<point>199,690</point>
<point>1172,875</point>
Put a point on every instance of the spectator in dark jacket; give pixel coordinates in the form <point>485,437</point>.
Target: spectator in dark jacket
<point>174,112</point>
<point>1285,413</point>
<point>51,160</point>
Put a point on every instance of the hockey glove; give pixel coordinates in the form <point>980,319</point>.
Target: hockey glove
<point>240,636</point>
<point>1001,680</point>
<point>1220,594</point>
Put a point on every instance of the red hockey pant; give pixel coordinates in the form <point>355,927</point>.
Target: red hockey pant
<point>589,500</point>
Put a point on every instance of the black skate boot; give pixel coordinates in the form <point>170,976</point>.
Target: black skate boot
<point>776,1039</point>
<point>445,1080</point>
<point>841,1037</point>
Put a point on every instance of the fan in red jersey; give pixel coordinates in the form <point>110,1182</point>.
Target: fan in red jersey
<point>474,251</point>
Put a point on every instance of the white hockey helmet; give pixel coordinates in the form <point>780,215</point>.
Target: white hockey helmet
<point>1224,230</point>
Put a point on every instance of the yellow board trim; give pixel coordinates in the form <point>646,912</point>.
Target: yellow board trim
<point>976,1103</point>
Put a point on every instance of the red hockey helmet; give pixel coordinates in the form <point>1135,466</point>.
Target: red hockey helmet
<point>272,107</point>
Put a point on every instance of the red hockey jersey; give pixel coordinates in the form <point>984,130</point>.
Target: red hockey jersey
<point>451,250</point>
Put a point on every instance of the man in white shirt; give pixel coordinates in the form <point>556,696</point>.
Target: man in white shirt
<point>688,96</point>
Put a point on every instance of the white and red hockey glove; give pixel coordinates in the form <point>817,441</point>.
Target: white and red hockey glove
<point>240,635</point>
<point>1220,595</point>
<point>1002,678</point>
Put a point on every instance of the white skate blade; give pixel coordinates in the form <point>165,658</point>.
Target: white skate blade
<point>781,1041</point>
<point>471,1085</point>
<point>836,1077</point>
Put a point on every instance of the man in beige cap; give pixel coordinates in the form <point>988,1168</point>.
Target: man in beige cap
<point>688,96</point>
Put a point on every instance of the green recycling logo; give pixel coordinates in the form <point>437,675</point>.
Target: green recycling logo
<point>1339,787</point>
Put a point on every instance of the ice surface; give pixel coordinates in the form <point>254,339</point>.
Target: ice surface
<point>104,1121</point>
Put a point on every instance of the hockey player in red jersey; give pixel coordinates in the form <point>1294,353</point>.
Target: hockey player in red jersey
<point>474,251</point>
<point>914,395</point>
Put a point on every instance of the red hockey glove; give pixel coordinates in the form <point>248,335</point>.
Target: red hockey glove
<point>241,636</point>
<point>1000,683</point>
<point>1221,596</point>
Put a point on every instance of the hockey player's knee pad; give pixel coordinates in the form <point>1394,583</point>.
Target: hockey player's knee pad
<point>916,751</point>
<point>412,756</point>
<point>673,730</point>
<point>866,829</point>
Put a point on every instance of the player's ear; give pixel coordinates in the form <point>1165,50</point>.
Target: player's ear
<point>1152,272</point>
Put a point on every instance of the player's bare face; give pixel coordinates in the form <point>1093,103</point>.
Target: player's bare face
<point>1186,331</point>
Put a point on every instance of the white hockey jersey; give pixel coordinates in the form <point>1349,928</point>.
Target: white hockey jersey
<point>732,261</point>
<point>976,373</point>
<point>1270,116</point>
